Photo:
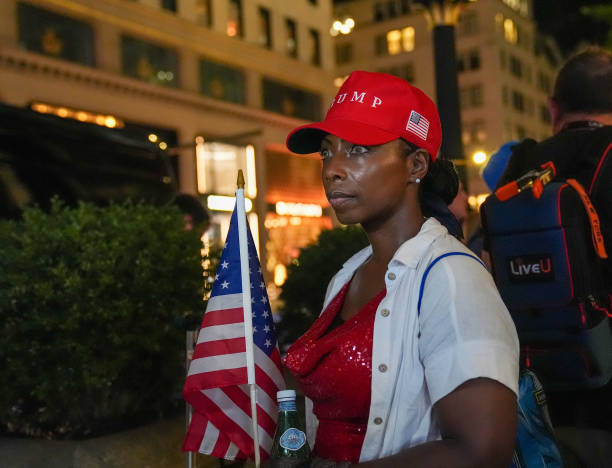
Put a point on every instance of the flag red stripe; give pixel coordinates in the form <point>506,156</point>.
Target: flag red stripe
<point>223,317</point>
<point>220,448</point>
<point>195,434</point>
<point>218,347</point>
<point>225,424</point>
<point>276,359</point>
<point>243,401</point>
<point>265,383</point>
<point>221,378</point>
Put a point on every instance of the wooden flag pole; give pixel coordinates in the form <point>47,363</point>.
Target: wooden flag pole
<point>246,305</point>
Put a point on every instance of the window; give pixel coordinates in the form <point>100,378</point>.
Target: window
<point>510,31</point>
<point>505,95</point>
<point>468,23</point>
<point>149,62</point>
<point>234,19</point>
<point>169,5</point>
<point>379,12</point>
<point>400,40</point>
<point>315,47</point>
<point>544,82</point>
<point>502,59</point>
<point>391,9</point>
<point>405,71</point>
<point>516,67</point>
<point>203,11</point>
<point>469,60</point>
<point>344,53</point>
<point>474,132</point>
<point>265,32</point>
<point>287,100</point>
<point>521,133</point>
<point>471,96</point>
<point>58,36</point>
<point>291,38</point>
<point>222,82</point>
<point>380,45</point>
<point>518,101</point>
<point>313,2</point>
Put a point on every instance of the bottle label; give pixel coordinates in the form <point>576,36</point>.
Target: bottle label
<point>292,439</point>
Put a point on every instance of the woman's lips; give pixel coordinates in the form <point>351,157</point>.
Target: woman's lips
<point>339,199</point>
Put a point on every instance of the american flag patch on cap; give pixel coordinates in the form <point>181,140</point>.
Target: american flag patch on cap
<point>418,125</point>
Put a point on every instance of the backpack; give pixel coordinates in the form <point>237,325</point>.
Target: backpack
<point>547,254</point>
<point>536,446</point>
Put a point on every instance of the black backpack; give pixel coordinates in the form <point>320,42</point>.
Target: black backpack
<point>549,263</point>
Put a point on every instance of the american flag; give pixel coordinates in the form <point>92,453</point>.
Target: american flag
<point>221,424</point>
<point>418,125</point>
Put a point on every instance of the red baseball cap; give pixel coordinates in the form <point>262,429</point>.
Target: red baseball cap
<point>372,109</point>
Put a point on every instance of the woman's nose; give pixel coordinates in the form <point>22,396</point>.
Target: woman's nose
<point>334,166</point>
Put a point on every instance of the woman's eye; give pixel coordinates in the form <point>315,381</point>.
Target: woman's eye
<point>325,153</point>
<point>359,149</point>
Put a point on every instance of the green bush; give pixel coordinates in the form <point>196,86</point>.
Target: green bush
<point>89,302</point>
<point>308,276</point>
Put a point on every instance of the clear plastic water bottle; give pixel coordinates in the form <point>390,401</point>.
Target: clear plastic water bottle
<point>290,448</point>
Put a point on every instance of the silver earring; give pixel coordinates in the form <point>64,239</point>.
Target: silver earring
<point>417,181</point>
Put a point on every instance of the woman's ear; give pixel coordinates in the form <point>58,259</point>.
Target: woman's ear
<point>418,164</point>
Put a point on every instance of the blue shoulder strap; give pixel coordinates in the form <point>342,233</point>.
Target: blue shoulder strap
<point>422,287</point>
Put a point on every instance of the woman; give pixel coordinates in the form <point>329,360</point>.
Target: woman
<point>414,359</point>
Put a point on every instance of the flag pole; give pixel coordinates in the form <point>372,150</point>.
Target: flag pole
<point>246,305</point>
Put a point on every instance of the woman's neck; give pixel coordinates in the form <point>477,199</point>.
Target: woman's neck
<point>385,239</point>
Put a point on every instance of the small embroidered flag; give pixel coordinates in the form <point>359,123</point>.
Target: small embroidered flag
<point>418,125</point>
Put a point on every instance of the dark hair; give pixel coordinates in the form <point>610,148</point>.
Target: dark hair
<point>441,180</point>
<point>584,83</point>
<point>190,205</point>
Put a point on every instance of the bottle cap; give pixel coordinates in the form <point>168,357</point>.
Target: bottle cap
<point>285,395</point>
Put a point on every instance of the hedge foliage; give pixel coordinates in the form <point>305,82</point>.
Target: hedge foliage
<point>308,276</point>
<point>89,302</point>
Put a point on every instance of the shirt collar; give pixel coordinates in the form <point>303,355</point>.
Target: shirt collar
<point>409,253</point>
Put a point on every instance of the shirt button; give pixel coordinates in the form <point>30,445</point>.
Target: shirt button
<point>382,368</point>
<point>391,276</point>
<point>377,421</point>
<point>385,312</point>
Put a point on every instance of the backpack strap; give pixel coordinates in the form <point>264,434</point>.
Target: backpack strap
<point>435,260</point>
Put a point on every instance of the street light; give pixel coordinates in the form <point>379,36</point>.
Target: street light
<point>342,26</point>
<point>479,157</point>
<point>442,16</point>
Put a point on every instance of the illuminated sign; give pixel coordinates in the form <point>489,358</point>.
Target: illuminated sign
<point>224,203</point>
<point>299,209</point>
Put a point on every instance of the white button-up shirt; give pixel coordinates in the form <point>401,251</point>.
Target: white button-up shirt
<point>463,332</point>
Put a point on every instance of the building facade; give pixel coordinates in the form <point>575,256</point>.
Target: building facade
<point>218,83</point>
<point>505,68</point>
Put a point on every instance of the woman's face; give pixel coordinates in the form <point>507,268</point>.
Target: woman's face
<point>365,183</point>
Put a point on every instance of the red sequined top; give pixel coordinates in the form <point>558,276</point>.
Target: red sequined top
<point>334,369</point>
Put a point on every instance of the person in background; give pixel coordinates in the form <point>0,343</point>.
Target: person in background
<point>490,173</point>
<point>195,215</point>
<point>414,359</point>
<point>581,148</point>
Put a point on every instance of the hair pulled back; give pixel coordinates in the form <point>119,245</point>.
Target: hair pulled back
<point>441,181</point>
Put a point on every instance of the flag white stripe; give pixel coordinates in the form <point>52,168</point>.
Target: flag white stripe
<point>215,363</point>
<point>238,416</point>
<point>269,367</point>
<point>263,400</point>
<point>221,332</point>
<point>232,451</point>
<point>210,439</point>
<point>227,301</point>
